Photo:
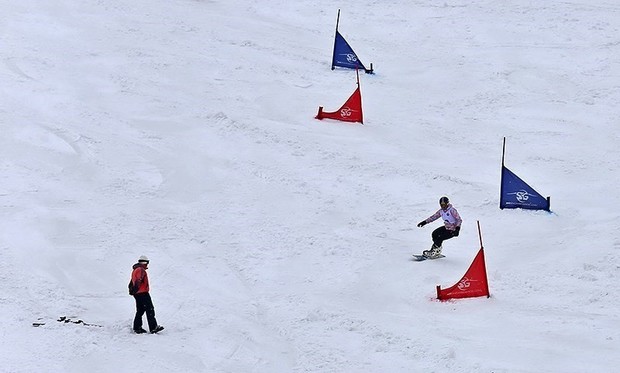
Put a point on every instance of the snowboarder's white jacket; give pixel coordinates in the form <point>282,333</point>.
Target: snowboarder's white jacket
<point>451,217</point>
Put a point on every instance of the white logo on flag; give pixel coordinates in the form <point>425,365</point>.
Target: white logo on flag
<point>522,195</point>
<point>464,284</point>
<point>351,57</point>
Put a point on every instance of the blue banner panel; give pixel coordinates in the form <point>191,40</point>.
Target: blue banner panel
<point>344,55</point>
<point>515,193</point>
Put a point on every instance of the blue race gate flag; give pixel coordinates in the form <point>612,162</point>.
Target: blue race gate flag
<point>343,53</point>
<point>515,193</point>
<point>344,56</point>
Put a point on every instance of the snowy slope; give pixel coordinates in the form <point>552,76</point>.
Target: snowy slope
<point>184,130</point>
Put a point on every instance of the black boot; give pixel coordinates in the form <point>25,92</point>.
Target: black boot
<point>157,329</point>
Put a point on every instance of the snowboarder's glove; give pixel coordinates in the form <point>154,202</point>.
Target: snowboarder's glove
<point>456,231</point>
<point>422,223</point>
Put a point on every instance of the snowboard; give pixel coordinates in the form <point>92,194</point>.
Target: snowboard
<point>421,258</point>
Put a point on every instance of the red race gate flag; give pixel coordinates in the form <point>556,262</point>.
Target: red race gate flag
<point>473,284</point>
<point>351,111</point>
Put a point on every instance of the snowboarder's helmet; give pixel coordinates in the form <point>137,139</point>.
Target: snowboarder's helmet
<point>143,259</point>
<point>443,202</point>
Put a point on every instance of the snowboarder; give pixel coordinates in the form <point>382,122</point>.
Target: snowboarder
<point>139,288</point>
<point>452,225</point>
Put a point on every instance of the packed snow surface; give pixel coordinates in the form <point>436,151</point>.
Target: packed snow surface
<point>184,130</point>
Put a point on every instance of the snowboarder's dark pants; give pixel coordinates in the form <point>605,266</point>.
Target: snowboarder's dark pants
<point>144,304</point>
<point>441,234</point>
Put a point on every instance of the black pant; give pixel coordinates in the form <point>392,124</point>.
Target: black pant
<point>144,304</point>
<point>441,234</point>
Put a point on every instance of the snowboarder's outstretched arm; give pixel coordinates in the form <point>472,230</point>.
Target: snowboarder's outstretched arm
<point>430,219</point>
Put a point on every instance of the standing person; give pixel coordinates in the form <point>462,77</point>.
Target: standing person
<point>139,288</point>
<point>452,225</point>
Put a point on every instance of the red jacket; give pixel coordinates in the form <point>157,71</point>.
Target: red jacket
<point>139,278</point>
